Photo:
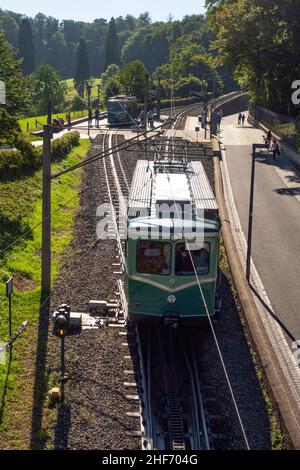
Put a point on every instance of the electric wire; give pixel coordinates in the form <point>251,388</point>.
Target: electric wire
<point>215,337</point>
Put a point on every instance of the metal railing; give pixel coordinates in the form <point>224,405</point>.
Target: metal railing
<point>284,126</point>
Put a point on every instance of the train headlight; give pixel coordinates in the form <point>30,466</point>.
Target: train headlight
<point>171,299</point>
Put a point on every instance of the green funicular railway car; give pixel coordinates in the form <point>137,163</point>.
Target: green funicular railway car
<point>173,244</point>
<point>122,110</point>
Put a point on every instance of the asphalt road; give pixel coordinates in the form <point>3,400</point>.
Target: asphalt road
<point>276,228</point>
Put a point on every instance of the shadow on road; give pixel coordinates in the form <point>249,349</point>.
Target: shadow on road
<point>273,315</point>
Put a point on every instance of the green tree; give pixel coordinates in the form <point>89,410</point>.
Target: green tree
<point>112,53</point>
<point>10,28</point>
<point>259,40</point>
<point>112,88</point>
<point>17,87</point>
<point>78,104</point>
<point>133,78</point>
<point>149,45</point>
<point>112,71</point>
<point>82,71</point>
<point>47,87</point>
<point>26,47</point>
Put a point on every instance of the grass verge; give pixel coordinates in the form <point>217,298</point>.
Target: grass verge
<point>36,123</point>
<point>21,209</point>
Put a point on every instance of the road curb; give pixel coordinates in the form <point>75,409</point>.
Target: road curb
<point>289,410</point>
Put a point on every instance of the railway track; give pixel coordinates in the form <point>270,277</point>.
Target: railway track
<point>172,407</point>
<point>174,413</point>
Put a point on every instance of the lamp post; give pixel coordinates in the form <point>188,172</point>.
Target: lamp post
<point>89,90</point>
<point>251,208</point>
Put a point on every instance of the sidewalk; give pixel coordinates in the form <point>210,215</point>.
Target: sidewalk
<point>276,228</point>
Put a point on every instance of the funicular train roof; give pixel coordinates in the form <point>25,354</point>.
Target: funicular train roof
<point>187,183</point>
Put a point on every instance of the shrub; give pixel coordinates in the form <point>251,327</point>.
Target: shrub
<point>26,157</point>
<point>62,146</point>
<point>10,161</point>
<point>78,104</point>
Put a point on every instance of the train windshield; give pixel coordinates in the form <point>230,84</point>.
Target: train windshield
<point>116,106</point>
<point>184,265</point>
<point>153,258</point>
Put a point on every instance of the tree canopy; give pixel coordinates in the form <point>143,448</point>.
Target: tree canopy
<point>259,40</point>
<point>47,87</point>
<point>26,47</point>
<point>17,87</point>
<point>82,71</point>
<point>112,52</point>
<point>132,79</point>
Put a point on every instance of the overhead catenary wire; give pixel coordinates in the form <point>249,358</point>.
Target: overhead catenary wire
<point>126,144</point>
<point>215,337</point>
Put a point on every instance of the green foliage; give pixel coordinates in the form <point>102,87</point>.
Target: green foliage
<point>78,104</point>
<point>149,44</point>
<point>132,79</point>
<point>62,146</point>
<point>112,71</point>
<point>17,87</point>
<point>112,52</point>
<point>20,211</point>
<point>82,71</point>
<point>112,88</point>
<point>259,40</point>
<point>189,69</point>
<point>47,86</point>
<point>26,47</point>
<point>10,27</point>
<point>186,85</point>
<point>9,127</point>
<point>27,157</point>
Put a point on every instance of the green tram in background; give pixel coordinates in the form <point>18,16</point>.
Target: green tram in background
<point>122,110</point>
<point>162,284</point>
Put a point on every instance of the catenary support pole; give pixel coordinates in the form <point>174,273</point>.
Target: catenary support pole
<point>46,214</point>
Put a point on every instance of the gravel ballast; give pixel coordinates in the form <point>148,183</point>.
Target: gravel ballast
<point>94,413</point>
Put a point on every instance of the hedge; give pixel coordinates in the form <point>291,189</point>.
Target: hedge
<point>26,157</point>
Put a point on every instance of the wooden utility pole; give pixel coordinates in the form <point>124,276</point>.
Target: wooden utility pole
<point>146,101</point>
<point>46,214</point>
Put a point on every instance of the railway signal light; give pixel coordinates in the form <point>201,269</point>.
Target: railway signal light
<point>62,320</point>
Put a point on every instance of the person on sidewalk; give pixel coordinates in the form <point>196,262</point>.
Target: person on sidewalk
<point>275,148</point>
<point>243,119</point>
<point>240,119</point>
<point>219,120</point>
<point>97,117</point>
<point>268,139</point>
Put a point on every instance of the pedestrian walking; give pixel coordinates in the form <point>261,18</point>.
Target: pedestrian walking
<point>90,117</point>
<point>240,119</point>
<point>268,139</point>
<point>151,119</point>
<point>275,148</point>
<point>219,120</point>
<point>243,119</point>
<point>97,117</point>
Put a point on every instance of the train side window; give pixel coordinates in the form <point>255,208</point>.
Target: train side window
<point>153,258</point>
<point>183,262</point>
